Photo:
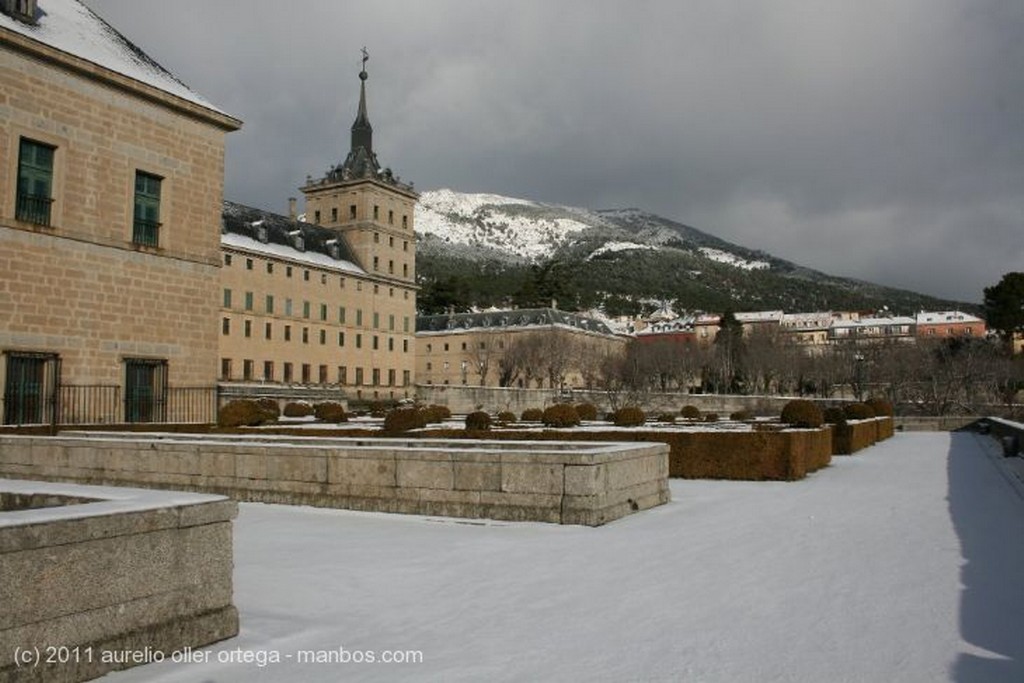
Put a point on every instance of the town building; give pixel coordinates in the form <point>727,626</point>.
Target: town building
<point>513,348</point>
<point>946,324</point>
<point>326,307</point>
<point>872,330</point>
<point>809,330</point>
<point>112,188</point>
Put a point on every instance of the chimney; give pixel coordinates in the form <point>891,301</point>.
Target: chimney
<point>292,212</point>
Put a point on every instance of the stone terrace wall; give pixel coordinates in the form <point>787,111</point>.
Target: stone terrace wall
<point>566,483</point>
<point>460,399</point>
<point>114,570</point>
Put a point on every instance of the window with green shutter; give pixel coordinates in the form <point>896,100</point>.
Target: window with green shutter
<point>146,228</point>
<point>35,182</point>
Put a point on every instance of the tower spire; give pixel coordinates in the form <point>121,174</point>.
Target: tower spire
<point>362,131</point>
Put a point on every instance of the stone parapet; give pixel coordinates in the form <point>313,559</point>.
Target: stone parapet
<point>559,482</point>
<point>95,578</point>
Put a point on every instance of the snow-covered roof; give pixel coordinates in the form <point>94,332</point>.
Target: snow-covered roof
<point>71,27</point>
<point>750,317</point>
<point>509,319</point>
<point>943,317</point>
<point>816,319</point>
<point>894,321</point>
<point>273,235</point>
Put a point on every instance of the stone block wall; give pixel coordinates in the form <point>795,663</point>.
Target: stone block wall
<point>80,287</point>
<point>562,483</point>
<point>113,576</point>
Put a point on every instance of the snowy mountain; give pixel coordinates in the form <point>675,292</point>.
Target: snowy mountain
<point>479,250</point>
<point>532,231</point>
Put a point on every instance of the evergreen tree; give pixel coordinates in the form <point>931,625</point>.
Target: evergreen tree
<point>1004,304</point>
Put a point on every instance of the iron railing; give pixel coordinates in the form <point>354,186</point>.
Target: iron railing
<point>146,232</point>
<point>108,404</point>
<point>33,208</point>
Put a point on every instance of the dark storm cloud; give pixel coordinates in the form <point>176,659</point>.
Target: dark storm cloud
<point>877,139</point>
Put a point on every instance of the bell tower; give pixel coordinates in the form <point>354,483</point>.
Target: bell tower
<point>370,206</point>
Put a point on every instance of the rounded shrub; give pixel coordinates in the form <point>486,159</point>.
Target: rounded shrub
<point>478,421</point>
<point>532,415</point>
<point>586,411</point>
<point>858,411</point>
<point>690,412</point>
<point>741,416</point>
<point>802,413</point>
<point>711,417</point>
<point>241,413</point>
<point>270,408</point>
<point>404,419</point>
<point>629,416</point>
<point>298,409</point>
<point>667,417</point>
<point>560,415</point>
<point>436,413</point>
<point>506,417</point>
<point>881,406</point>
<point>834,416</point>
<point>330,411</point>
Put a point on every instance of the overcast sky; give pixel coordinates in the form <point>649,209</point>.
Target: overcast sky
<point>877,139</point>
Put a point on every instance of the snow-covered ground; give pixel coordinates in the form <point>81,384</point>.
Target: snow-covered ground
<point>902,563</point>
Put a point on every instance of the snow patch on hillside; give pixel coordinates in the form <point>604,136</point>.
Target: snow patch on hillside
<point>611,247</point>
<point>525,228</point>
<point>733,260</point>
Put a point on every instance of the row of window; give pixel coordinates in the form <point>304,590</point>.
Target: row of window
<point>353,214</point>
<point>268,333</point>
<point>465,346</point>
<point>288,376</point>
<point>289,271</point>
<point>307,311</point>
<point>34,199</point>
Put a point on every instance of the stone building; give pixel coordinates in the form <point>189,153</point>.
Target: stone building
<point>112,185</point>
<point>515,348</point>
<point>324,308</point>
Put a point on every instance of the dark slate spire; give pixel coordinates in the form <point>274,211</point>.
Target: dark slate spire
<point>361,161</point>
<point>362,131</point>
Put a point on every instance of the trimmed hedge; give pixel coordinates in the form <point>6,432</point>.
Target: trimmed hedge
<point>330,411</point>
<point>630,416</point>
<point>858,411</point>
<point>560,415</point>
<point>271,408</point>
<point>667,417</point>
<point>690,412</point>
<point>478,421</point>
<point>848,438</point>
<point>242,413</point>
<point>741,416</point>
<point>404,419</point>
<point>436,413</point>
<point>532,415</point>
<point>586,411</point>
<point>834,416</point>
<point>298,409</point>
<point>783,455</point>
<point>802,413</point>
<point>711,417</point>
<point>506,417</point>
<point>882,407</point>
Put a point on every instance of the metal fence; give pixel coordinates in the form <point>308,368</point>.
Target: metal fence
<point>109,404</point>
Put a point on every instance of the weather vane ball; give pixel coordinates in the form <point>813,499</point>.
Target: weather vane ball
<point>366,56</point>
